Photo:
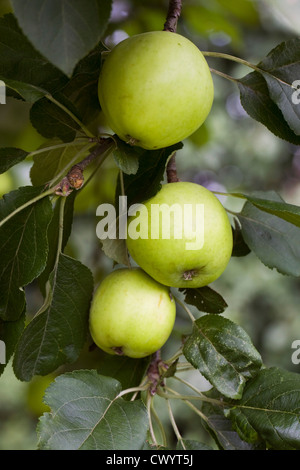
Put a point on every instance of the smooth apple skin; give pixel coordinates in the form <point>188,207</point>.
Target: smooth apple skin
<point>169,261</point>
<point>131,314</point>
<point>155,89</point>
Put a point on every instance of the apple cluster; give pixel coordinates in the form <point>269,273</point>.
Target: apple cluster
<point>155,89</point>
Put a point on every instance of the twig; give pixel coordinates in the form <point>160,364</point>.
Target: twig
<point>74,178</point>
<point>173,15</point>
<point>171,170</point>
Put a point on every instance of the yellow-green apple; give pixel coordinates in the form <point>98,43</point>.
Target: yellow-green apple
<point>131,314</point>
<point>155,89</point>
<point>182,237</point>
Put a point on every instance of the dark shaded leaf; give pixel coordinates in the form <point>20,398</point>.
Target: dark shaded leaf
<point>10,332</point>
<point>23,246</point>
<point>56,335</point>
<point>256,100</point>
<point>10,157</point>
<point>22,63</point>
<point>52,121</point>
<point>205,299</point>
<point>64,31</point>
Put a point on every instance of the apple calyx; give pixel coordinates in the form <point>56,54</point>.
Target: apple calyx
<point>132,141</point>
<point>189,275</point>
<point>118,350</point>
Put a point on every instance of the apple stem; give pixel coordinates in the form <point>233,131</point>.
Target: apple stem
<point>172,170</point>
<point>174,13</point>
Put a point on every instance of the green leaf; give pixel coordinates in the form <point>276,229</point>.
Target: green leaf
<point>223,353</point>
<point>10,332</point>
<point>127,157</point>
<point>52,121</point>
<point>23,246</point>
<point>269,410</point>
<point>28,92</point>
<point>240,248</point>
<point>271,202</point>
<point>274,241</point>
<point>205,299</point>
<point>147,180</point>
<point>64,31</point>
<point>21,63</point>
<point>188,444</point>
<point>129,372</point>
<point>50,163</point>
<point>57,333</point>
<point>86,414</point>
<point>282,66</point>
<point>256,100</point>
<point>10,157</point>
<point>53,235</point>
<point>220,427</point>
<point>82,89</point>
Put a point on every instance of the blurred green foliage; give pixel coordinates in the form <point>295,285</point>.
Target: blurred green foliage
<point>230,153</point>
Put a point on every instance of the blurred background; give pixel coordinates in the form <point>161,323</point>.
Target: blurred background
<point>230,152</point>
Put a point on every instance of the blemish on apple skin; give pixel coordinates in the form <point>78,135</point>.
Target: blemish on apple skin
<point>118,350</point>
<point>160,300</point>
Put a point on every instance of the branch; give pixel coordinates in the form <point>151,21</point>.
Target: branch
<point>174,13</point>
<point>74,178</point>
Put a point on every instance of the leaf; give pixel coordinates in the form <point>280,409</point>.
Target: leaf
<point>21,63</point>
<point>129,372</point>
<point>274,241</point>
<point>88,415</point>
<point>282,66</point>
<point>57,333</point>
<point>271,202</point>
<point>9,157</point>
<point>52,121</point>
<point>223,353</point>
<point>82,89</point>
<point>220,427</point>
<point>269,410</point>
<point>127,157</point>
<point>53,234</point>
<point>23,246</point>
<point>205,299</point>
<point>10,332</point>
<point>50,163</point>
<point>147,181</point>
<point>256,100</point>
<point>240,248</point>
<point>29,92</point>
<point>64,31</point>
<point>188,444</point>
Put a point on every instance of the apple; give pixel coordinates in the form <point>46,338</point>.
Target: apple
<point>131,314</point>
<point>155,89</point>
<point>182,237</point>
<point>35,394</point>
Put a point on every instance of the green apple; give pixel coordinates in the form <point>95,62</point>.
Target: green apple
<point>155,89</point>
<point>182,237</point>
<point>35,394</point>
<point>131,314</point>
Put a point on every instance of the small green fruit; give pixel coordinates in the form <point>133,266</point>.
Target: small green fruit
<point>195,250</point>
<point>131,314</point>
<point>155,89</point>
